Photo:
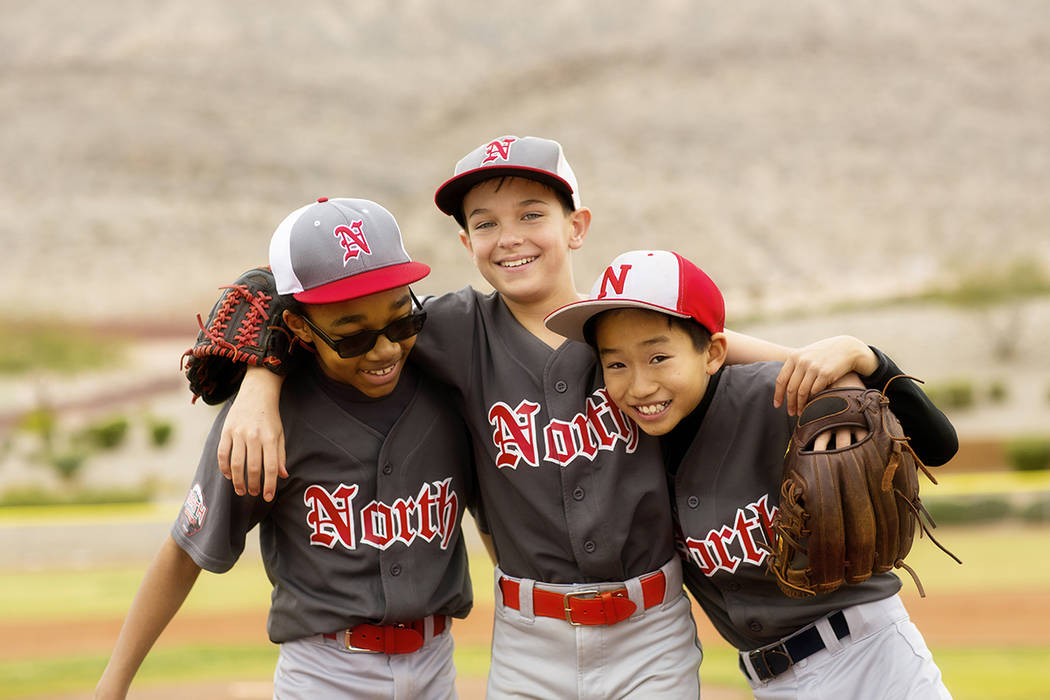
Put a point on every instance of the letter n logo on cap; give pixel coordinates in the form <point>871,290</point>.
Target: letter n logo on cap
<point>352,240</point>
<point>498,150</point>
<point>617,282</point>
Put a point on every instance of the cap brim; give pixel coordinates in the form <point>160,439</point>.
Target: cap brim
<point>371,282</point>
<point>449,197</point>
<point>570,319</point>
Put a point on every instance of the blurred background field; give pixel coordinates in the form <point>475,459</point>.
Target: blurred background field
<point>837,167</point>
<point>58,623</point>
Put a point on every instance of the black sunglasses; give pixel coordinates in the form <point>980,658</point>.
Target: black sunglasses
<point>363,341</point>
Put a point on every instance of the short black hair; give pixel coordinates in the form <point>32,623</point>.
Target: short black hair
<point>290,303</point>
<point>567,205</point>
<point>700,336</point>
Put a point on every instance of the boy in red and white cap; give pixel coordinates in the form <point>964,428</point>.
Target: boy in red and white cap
<point>362,543</point>
<point>657,323</point>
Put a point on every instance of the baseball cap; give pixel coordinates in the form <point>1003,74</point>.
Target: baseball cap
<point>528,156</point>
<point>657,280</point>
<point>338,249</point>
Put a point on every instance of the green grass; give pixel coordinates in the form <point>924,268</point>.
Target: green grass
<point>71,514</point>
<point>58,348</point>
<point>1019,673</point>
<point>971,483</point>
<point>972,674</point>
<point>107,593</point>
<point>983,549</point>
<point>103,594</point>
<point>970,289</point>
<point>22,679</point>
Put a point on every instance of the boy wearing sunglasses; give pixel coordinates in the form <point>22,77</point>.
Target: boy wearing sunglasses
<point>362,542</point>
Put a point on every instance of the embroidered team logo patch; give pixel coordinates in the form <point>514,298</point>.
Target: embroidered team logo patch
<point>193,510</point>
<point>352,240</point>
<point>497,150</point>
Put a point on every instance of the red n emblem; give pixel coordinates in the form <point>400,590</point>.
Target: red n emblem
<point>498,150</point>
<point>352,240</point>
<point>515,433</point>
<point>331,515</point>
<point>610,278</point>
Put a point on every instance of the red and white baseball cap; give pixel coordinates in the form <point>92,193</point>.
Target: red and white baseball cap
<point>339,249</point>
<point>657,280</point>
<point>528,156</point>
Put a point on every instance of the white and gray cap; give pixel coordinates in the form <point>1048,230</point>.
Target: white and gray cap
<point>338,249</point>
<point>528,156</point>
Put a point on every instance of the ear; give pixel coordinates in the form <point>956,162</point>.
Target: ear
<point>464,238</point>
<point>716,352</point>
<point>580,220</point>
<point>296,324</point>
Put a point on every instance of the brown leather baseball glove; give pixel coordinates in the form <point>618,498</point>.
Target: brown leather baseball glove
<point>245,327</point>
<point>848,512</point>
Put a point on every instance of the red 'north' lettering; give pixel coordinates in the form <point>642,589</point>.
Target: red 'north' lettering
<point>515,433</point>
<point>330,515</point>
<point>598,428</point>
<point>715,551</point>
<point>434,513</point>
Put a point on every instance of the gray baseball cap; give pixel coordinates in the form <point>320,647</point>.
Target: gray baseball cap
<point>528,156</point>
<point>339,249</point>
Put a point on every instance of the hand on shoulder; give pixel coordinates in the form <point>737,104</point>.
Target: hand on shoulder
<point>817,366</point>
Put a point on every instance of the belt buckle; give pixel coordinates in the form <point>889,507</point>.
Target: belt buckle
<point>782,651</point>
<point>568,608</point>
<point>356,650</point>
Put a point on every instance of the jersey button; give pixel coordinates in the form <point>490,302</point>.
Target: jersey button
<point>578,493</point>
<point>589,546</point>
<point>387,469</point>
<point>693,501</point>
<point>754,626</point>
<point>561,387</point>
<point>395,570</point>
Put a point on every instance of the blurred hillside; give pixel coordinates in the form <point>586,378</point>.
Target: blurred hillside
<point>793,149</point>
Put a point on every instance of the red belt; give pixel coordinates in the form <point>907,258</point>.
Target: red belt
<point>388,639</point>
<point>587,607</point>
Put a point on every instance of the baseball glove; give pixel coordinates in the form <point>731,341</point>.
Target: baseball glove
<point>849,512</point>
<point>245,327</point>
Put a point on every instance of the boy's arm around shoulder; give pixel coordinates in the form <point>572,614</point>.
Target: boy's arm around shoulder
<point>806,370</point>
<point>251,448</point>
<point>245,333</point>
<point>167,582</point>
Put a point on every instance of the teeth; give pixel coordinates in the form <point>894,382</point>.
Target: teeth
<point>517,263</point>
<point>380,372</point>
<point>652,408</point>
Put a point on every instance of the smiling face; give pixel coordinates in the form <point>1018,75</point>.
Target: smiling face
<point>519,235</point>
<point>653,369</point>
<point>376,372</point>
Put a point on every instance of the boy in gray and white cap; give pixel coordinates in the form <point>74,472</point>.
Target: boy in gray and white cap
<point>362,542</point>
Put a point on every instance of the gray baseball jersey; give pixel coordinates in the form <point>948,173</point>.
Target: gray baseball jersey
<point>726,492</point>
<point>366,528</point>
<point>571,490</point>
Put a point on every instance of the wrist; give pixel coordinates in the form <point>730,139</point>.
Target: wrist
<point>865,362</point>
<point>262,380</point>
